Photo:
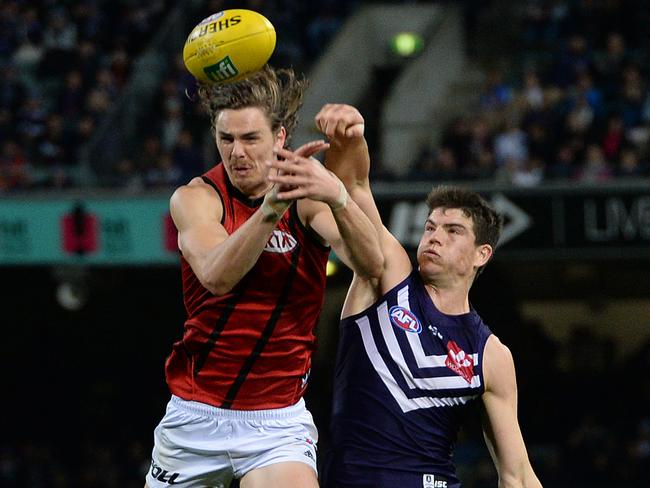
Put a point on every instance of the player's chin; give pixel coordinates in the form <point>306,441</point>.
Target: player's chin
<point>429,265</point>
<point>428,257</point>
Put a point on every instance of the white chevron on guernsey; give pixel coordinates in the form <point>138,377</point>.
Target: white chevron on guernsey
<point>405,403</point>
<point>423,360</point>
<point>431,383</point>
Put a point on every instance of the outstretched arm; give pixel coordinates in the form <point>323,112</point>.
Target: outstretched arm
<point>500,424</point>
<point>343,224</point>
<point>348,156</point>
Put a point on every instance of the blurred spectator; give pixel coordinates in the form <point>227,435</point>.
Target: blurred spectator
<point>573,60</point>
<point>497,93</point>
<point>187,161</point>
<point>595,169</point>
<point>630,165</point>
<point>631,96</point>
<point>563,167</point>
<point>172,123</point>
<point>531,173</point>
<point>440,166</point>
<point>164,173</point>
<point>149,153</point>
<point>614,137</point>
<point>72,95</point>
<point>533,92</point>
<point>13,167</point>
<point>610,64</point>
<point>322,28</point>
<point>127,176</point>
<point>511,144</point>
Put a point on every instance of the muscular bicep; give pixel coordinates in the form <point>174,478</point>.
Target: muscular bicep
<point>197,210</point>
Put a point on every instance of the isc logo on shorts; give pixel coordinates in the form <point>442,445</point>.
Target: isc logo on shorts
<point>430,481</point>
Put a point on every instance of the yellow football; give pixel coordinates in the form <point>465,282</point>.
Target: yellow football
<point>229,45</point>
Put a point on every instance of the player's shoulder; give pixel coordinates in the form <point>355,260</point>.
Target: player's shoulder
<point>498,365</point>
<point>195,189</point>
<point>497,352</point>
<point>196,194</point>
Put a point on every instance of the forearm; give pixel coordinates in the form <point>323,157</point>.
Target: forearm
<point>360,240</point>
<point>525,480</point>
<point>225,265</point>
<point>350,161</point>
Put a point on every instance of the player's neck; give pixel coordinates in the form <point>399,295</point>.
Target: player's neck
<point>452,299</point>
<point>261,193</point>
<point>255,192</point>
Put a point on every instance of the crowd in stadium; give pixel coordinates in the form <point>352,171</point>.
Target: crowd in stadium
<point>65,65</point>
<point>574,105</point>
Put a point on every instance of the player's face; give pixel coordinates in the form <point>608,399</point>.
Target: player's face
<point>246,142</point>
<point>448,252</point>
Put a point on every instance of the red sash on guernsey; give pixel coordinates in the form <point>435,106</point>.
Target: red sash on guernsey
<point>251,348</point>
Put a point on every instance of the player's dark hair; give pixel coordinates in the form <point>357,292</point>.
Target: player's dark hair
<point>278,92</point>
<point>487,223</point>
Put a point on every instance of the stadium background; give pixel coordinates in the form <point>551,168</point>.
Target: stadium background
<point>542,105</point>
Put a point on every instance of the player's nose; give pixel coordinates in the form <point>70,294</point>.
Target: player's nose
<point>238,149</point>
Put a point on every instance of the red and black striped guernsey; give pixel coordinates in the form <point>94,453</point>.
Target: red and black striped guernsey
<point>251,348</point>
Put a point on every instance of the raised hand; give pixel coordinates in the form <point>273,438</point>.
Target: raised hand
<point>305,177</point>
<point>339,122</point>
<point>274,206</point>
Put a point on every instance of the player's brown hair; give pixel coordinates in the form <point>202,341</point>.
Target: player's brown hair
<point>278,92</point>
<point>487,223</point>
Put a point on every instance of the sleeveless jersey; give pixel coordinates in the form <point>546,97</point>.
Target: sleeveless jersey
<point>251,348</point>
<point>405,376</point>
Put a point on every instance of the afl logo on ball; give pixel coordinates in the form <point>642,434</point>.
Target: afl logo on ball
<point>405,319</point>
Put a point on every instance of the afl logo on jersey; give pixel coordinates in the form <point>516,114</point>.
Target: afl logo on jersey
<point>280,242</point>
<point>405,319</point>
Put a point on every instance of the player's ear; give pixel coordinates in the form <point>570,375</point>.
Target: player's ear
<point>483,255</point>
<point>280,138</point>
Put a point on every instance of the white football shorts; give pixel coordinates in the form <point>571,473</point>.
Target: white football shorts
<point>197,445</point>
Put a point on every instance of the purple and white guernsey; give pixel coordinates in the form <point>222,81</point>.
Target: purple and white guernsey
<point>406,374</point>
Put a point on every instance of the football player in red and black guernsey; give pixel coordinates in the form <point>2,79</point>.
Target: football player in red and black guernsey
<point>254,234</point>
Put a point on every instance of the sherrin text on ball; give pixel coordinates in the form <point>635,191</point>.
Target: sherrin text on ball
<point>229,45</point>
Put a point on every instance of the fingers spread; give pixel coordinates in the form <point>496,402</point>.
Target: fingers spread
<point>311,148</point>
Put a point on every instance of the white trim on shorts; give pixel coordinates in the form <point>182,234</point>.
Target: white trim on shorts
<point>206,410</point>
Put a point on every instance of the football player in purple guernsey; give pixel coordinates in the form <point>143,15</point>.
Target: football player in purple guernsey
<point>413,354</point>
